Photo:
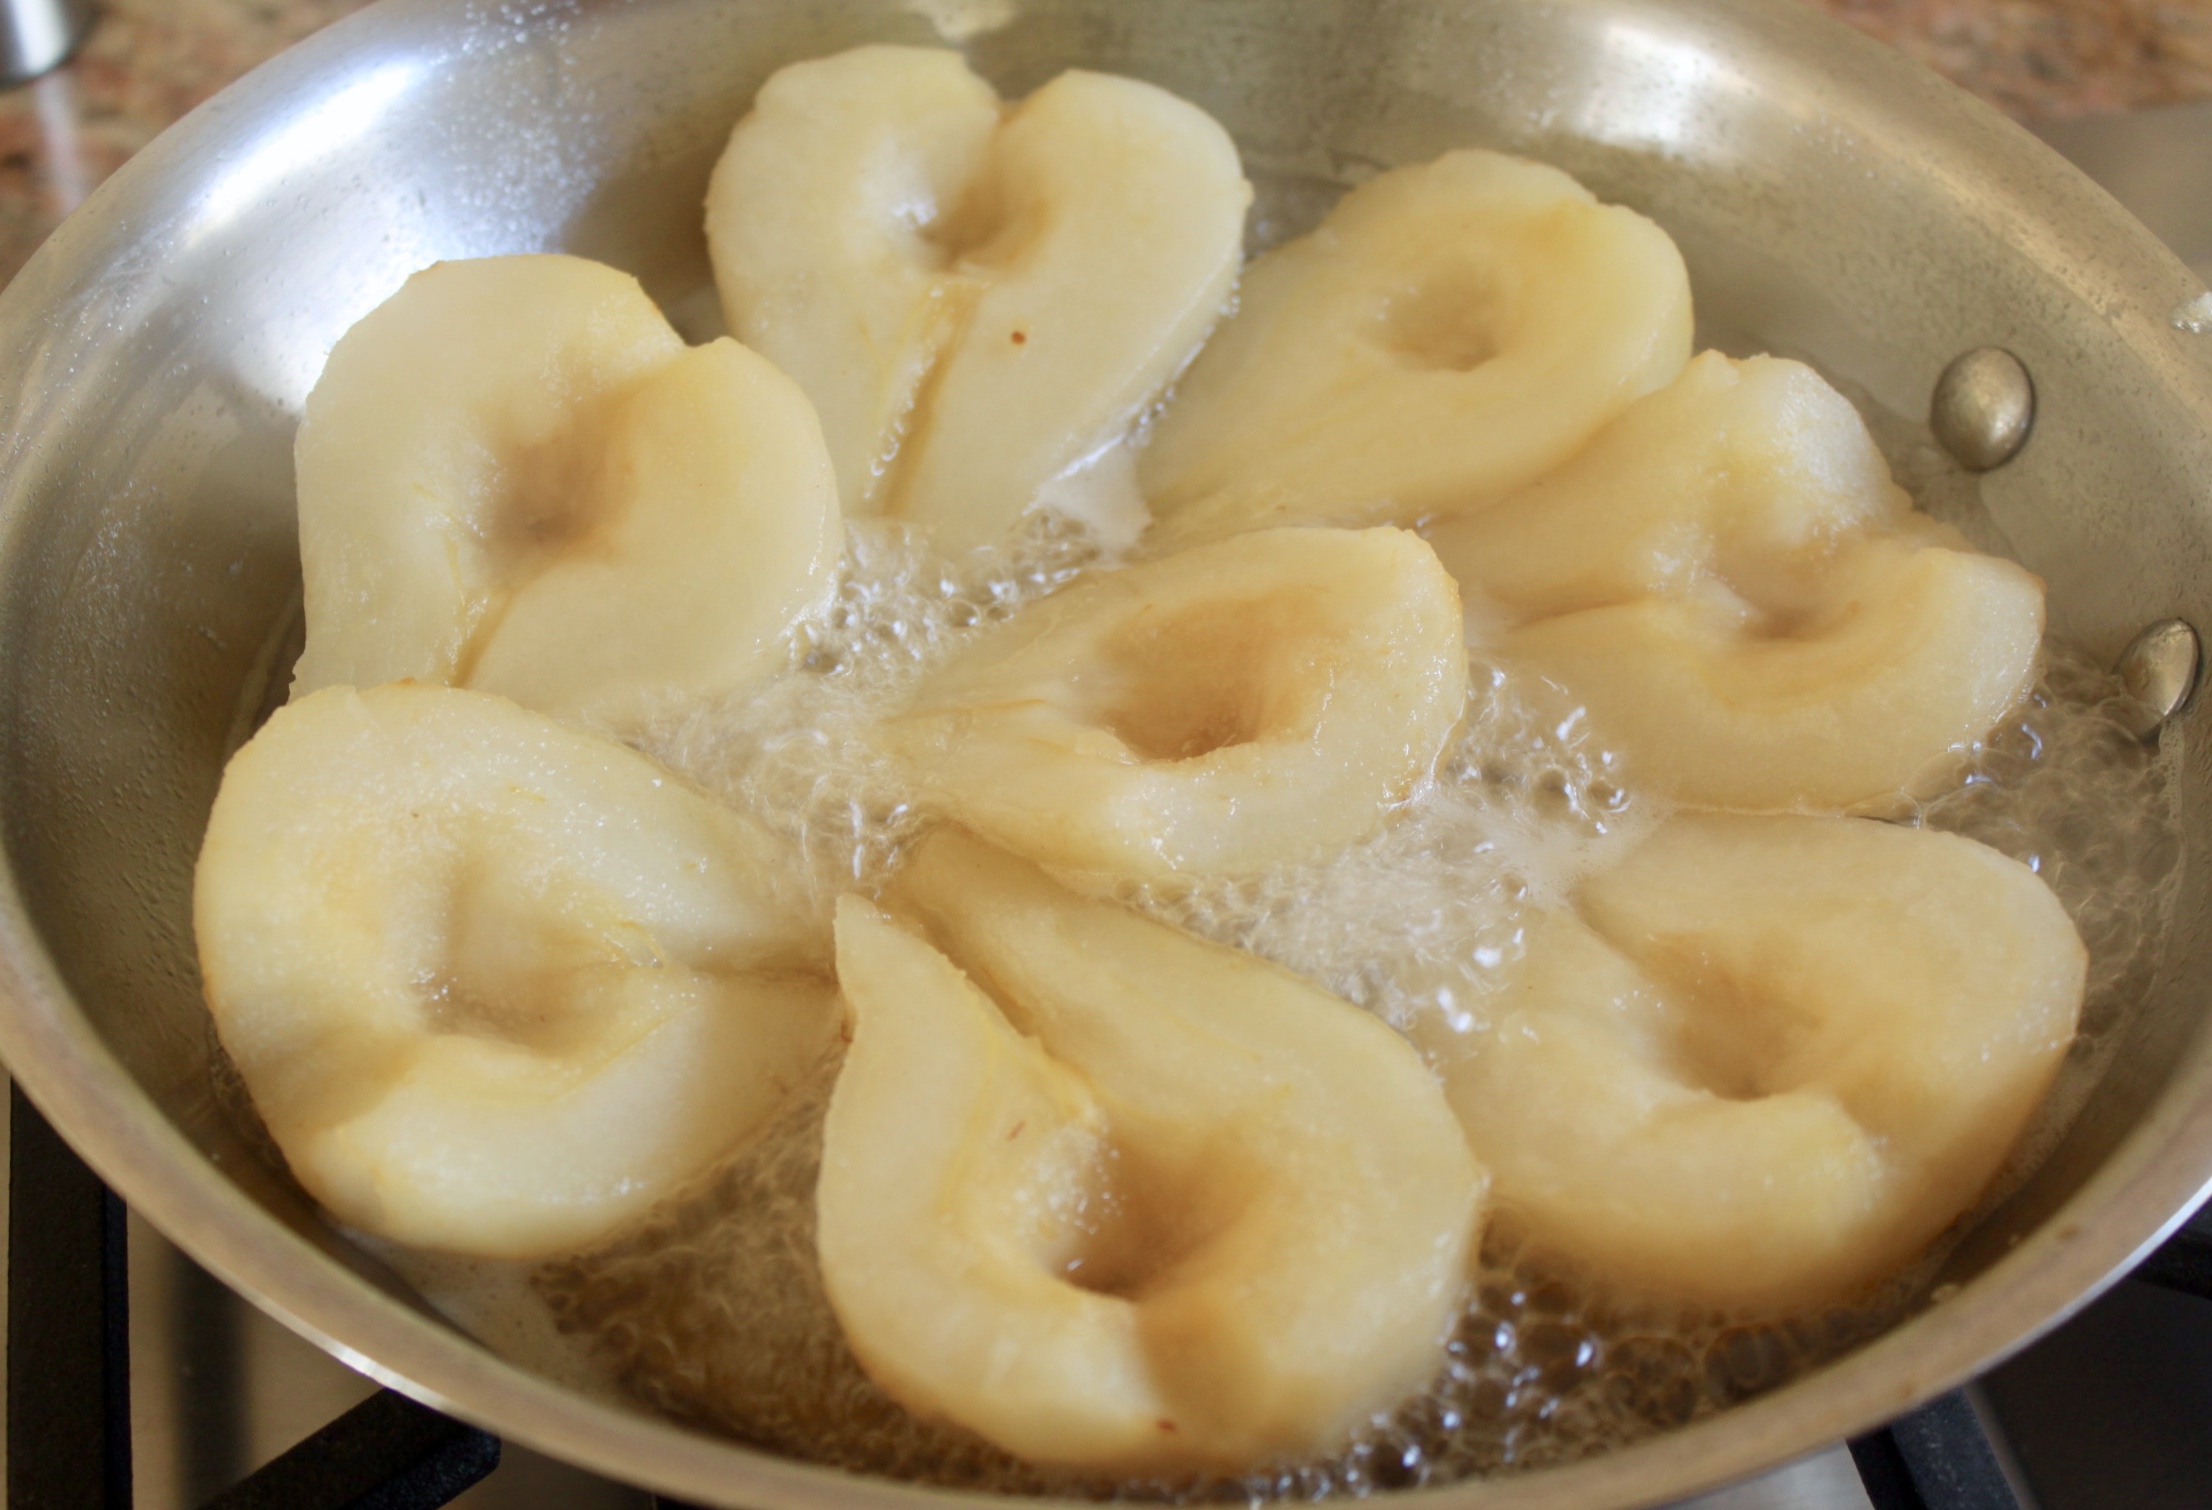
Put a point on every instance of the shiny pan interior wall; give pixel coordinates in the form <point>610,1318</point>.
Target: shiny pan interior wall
<point>1831,201</point>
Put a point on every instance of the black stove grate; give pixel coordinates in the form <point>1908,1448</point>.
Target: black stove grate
<point>68,1367</point>
<point>1940,1457</point>
<point>68,1363</point>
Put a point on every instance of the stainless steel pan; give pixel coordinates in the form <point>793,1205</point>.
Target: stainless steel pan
<point>1830,197</point>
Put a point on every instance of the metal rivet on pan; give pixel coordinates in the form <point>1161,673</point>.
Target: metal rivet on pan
<point>1983,408</point>
<point>2159,670</point>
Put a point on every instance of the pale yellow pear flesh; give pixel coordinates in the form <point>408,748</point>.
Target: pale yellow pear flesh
<point>1752,471</point>
<point>1747,606</point>
<point>1115,216</point>
<point>1924,650</point>
<point>721,531</point>
<point>513,476</point>
<point>1259,700</point>
<point>1450,333</point>
<point>1771,1059</point>
<point>430,428</point>
<point>496,986</point>
<point>825,215</point>
<point>1250,1209</point>
<point>962,1172</point>
<point>974,305</point>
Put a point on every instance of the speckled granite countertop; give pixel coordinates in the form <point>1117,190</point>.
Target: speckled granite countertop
<point>144,64</point>
<point>2047,59</point>
<point>147,62</point>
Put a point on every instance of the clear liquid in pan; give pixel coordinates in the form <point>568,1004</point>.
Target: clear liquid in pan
<point>713,1311</point>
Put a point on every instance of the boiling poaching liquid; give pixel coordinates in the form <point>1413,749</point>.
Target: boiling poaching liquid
<point>713,1310</point>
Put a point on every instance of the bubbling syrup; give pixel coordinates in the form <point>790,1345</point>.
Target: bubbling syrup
<point>712,1310</point>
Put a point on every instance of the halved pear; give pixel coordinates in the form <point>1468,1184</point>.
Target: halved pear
<point>496,986</point>
<point>1203,1215</point>
<point>1747,605</point>
<point>1755,472</point>
<point>1450,333</point>
<point>714,530</point>
<point>1915,653</point>
<point>827,217</point>
<point>513,476</point>
<point>974,307</point>
<point>1772,1059</point>
<point>1259,700</point>
<point>960,1171</point>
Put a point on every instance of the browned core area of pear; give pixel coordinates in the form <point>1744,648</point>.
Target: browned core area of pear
<point>1188,683</point>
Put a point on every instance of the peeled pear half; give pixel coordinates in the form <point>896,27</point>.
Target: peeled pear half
<point>1754,471</point>
<point>1772,1058</point>
<point>1258,700</point>
<point>976,297</point>
<point>1115,1197</point>
<point>514,477</point>
<point>1747,605</point>
<point>495,986</point>
<point>1450,333</point>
